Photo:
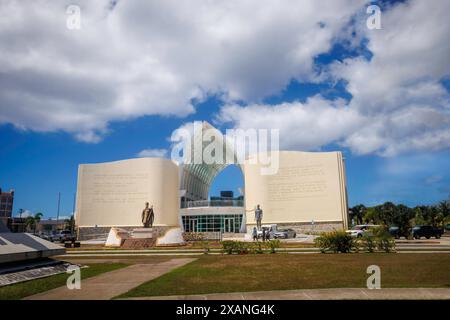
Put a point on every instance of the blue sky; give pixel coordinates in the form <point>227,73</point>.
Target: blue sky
<point>380,96</point>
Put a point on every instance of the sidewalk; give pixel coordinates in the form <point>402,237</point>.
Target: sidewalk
<point>322,294</point>
<point>111,284</point>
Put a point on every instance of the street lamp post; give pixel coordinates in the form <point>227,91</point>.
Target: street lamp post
<point>57,213</point>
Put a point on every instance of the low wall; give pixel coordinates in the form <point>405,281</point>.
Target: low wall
<point>91,233</point>
<point>305,227</point>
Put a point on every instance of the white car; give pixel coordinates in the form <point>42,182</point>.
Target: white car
<point>362,230</point>
<point>271,227</point>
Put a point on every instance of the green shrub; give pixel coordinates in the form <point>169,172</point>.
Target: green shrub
<point>384,241</point>
<point>228,246</point>
<point>335,241</point>
<point>240,247</point>
<point>368,244</point>
<point>258,248</point>
<point>273,245</point>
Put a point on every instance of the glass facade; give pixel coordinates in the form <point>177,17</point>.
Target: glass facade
<point>212,223</point>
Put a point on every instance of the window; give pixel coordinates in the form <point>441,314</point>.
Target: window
<point>212,223</point>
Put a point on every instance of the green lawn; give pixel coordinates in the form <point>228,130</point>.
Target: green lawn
<point>25,289</point>
<point>215,274</point>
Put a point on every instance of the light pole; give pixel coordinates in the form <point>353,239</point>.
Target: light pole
<point>57,213</point>
<point>72,227</point>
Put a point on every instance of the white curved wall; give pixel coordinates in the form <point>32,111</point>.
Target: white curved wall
<point>114,193</point>
<point>308,186</point>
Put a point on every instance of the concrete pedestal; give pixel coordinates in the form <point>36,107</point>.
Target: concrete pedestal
<point>142,233</point>
<point>116,237</point>
<point>172,237</point>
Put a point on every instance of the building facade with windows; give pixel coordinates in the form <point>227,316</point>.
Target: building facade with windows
<point>6,203</point>
<point>308,191</point>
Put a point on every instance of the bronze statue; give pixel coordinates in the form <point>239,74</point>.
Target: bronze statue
<point>148,216</point>
<point>258,216</point>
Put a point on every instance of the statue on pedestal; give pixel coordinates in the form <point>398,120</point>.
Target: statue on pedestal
<point>148,216</point>
<point>258,216</point>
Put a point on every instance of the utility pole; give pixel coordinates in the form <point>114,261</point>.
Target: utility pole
<point>57,213</point>
<point>72,227</point>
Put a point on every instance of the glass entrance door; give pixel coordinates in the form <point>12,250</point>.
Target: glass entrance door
<point>228,225</point>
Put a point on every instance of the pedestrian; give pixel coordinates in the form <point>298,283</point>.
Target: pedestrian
<point>255,234</point>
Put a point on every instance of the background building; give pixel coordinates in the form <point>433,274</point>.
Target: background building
<point>50,226</point>
<point>6,203</point>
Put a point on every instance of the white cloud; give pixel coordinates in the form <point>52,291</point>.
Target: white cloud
<point>152,153</point>
<point>398,103</point>
<point>153,57</point>
<point>156,57</point>
<point>305,126</point>
<point>26,213</point>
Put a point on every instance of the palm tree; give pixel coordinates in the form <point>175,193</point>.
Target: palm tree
<point>70,224</point>
<point>37,219</point>
<point>32,221</point>
<point>29,222</point>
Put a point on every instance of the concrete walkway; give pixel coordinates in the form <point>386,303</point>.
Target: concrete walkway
<point>111,284</point>
<point>322,294</point>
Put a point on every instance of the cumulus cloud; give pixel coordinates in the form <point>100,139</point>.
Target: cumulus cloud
<point>152,153</point>
<point>305,126</point>
<point>135,58</point>
<point>398,103</point>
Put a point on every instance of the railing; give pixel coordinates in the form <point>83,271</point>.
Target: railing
<point>212,203</point>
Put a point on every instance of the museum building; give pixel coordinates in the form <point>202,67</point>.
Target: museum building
<point>308,192</point>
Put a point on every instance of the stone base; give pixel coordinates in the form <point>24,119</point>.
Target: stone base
<point>138,243</point>
<point>173,237</point>
<point>142,233</point>
<point>305,227</point>
<point>92,233</point>
<point>116,237</point>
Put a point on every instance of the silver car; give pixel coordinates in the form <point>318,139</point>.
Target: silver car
<point>285,234</point>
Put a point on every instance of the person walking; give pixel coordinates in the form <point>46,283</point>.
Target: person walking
<point>255,234</point>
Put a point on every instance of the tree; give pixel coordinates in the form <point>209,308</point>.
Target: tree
<point>383,214</point>
<point>431,215</point>
<point>402,219</point>
<point>444,208</point>
<point>70,224</point>
<point>358,212</point>
<point>32,221</point>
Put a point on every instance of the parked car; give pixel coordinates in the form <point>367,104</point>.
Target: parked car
<point>284,234</point>
<point>45,236</point>
<point>397,234</point>
<point>62,236</point>
<point>427,232</point>
<point>271,227</point>
<point>362,230</point>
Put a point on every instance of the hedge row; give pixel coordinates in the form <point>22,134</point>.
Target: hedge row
<point>239,247</point>
<point>340,241</point>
